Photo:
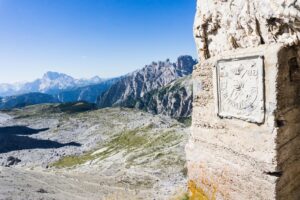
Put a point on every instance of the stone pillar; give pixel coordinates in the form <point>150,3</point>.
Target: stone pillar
<point>245,141</point>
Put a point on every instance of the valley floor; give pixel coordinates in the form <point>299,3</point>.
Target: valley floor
<point>54,152</point>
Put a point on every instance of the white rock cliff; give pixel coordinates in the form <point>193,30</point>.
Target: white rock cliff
<point>244,141</point>
<point>222,25</point>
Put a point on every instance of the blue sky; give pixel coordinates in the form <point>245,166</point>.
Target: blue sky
<point>84,38</point>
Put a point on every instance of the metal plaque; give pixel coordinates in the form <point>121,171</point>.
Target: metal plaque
<point>240,88</point>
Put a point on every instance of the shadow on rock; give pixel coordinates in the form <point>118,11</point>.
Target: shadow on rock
<point>20,130</point>
<point>14,138</point>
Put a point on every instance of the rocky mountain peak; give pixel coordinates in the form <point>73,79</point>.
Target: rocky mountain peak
<point>151,77</point>
<point>186,63</point>
<point>52,75</point>
<point>50,83</point>
<point>91,81</point>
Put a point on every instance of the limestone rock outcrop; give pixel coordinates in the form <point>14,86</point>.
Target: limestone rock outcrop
<point>245,134</point>
<point>222,25</point>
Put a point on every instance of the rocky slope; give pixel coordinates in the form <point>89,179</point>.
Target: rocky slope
<point>174,99</point>
<point>135,86</point>
<point>25,100</point>
<point>62,152</point>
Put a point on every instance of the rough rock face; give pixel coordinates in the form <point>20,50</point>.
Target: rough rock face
<point>234,158</point>
<point>12,161</point>
<point>244,142</point>
<point>230,24</point>
<point>174,100</point>
<point>156,75</point>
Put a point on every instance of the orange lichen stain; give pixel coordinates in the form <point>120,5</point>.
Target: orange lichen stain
<point>207,185</point>
<point>197,193</point>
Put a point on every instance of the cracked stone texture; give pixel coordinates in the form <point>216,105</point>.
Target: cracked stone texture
<point>236,159</point>
<point>230,158</point>
<point>222,25</point>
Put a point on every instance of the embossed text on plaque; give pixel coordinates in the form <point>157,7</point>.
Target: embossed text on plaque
<point>240,88</point>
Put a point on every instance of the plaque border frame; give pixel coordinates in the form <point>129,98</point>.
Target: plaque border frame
<point>261,118</point>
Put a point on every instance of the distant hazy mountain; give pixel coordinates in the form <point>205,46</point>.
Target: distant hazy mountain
<point>10,89</point>
<point>133,87</point>
<point>161,87</point>
<point>88,93</point>
<point>26,100</point>
<point>50,83</point>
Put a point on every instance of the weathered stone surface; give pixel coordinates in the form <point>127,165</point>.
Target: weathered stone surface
<point>12,161</point>
<point>245,139</point>
<point>240,88</point>
<point>237,159</point>
<point>229,24</point>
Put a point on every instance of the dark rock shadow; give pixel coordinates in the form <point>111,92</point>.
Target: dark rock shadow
<point>14,138</point>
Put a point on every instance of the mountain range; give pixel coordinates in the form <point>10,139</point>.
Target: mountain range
<point>87,93</point>
<point>174,99</point>
<point>162,87</point>
<point>151,77</point>
<point>50,83</point>
<point>23,100</point>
